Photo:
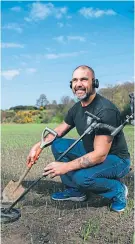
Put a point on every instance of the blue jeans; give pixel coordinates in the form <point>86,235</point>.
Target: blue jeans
<point>102,179</point>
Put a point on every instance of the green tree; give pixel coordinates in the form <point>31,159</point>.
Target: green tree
<point>118,94</point>
<point>42,101</point>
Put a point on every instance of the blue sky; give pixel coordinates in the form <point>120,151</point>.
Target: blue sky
<point>43,41</point>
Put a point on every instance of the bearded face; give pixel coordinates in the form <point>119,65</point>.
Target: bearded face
<point>82,84</point>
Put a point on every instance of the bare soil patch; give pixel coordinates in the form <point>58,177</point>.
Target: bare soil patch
<point>46,221</point>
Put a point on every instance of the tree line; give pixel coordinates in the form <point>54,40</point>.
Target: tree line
<point>119,95</point>
<point>43,111</point>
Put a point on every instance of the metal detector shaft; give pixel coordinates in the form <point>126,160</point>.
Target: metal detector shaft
<point>117,130</point>
<point>88,130</point>
<point>24,193</point>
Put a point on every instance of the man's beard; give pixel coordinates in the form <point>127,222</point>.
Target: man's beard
<point>86,96</point>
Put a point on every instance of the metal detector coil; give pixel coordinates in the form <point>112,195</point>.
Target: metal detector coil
<point>9,216</point>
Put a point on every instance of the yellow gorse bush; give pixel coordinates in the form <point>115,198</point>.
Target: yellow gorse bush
<point>24,117</point>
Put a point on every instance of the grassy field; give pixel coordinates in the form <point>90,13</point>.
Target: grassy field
<point>18,134</point>
<point>45,221</point>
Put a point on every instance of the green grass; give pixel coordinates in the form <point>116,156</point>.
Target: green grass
<point>91,228</point>
<point>25,128</point>
<point>17,140</point>
<point>37,128</point>
<point>18,135</point>
<point>22,135</point>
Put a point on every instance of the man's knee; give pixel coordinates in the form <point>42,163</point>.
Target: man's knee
<point>81,180</point>
<point>56,144</point>
<point>55,147</point>
<point>60,145</point>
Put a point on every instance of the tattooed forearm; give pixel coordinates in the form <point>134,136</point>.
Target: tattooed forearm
<point>85,162</point>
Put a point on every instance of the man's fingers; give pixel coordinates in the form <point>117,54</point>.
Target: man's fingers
<point>48,172</point>
<point>30,161</point>
<point>48,167</point>
<point>53,175</point>
<point>36,158</point>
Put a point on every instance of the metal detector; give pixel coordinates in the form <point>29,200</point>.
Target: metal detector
<point>9,214</point>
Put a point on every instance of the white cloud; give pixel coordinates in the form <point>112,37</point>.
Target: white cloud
<point>60,24</point>
<point>51,56</point>
<point>59,12</point>
<point>69,17</point>
<point>27,19</point>
<point>22,57</point>
<point>48,49</point>
<point>27,56</point>
<point>40,11</point>
<point>31,70</point>
<point>23,63</point>
<point>79,38</point>
<point>10,74</point>
<point>62,39</point>
<point>62,10</point>
<point>13,26</point>
<point>16,9</point>
<point>95,13</point>
<point>59,39</point>
<point>63,55</point>
<point>11,45</point>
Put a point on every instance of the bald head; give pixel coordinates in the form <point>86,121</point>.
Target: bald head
<point>85,67</point>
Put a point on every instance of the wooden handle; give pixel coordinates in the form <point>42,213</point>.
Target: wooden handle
<point>22,177</point>
<point>28,169</point>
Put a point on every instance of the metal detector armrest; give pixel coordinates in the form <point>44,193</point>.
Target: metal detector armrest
<point>110,128</point>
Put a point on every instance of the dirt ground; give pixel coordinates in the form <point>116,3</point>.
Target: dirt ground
<point>46,221</point>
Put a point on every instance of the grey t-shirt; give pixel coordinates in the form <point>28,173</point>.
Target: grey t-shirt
<point>108,113</point>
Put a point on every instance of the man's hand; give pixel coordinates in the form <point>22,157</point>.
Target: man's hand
<point>33,154</point>
<point>55,168</point>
